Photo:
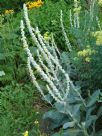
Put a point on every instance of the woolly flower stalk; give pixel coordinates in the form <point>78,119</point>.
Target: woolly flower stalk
<point>75,18</point>
<point>45,50</point>
<point>64,33</point>
<point>98,23</point>
<point>38,68</point>
<point>44,66</point>
<point>33,78</point>
<point>25,45</point>
<point>49,66</point>
<point>35,39</point>
<point>71,24</point>
<point>42,47</point>
<point>77,9</point>
<point>54,44</point>
<point>92,9</point>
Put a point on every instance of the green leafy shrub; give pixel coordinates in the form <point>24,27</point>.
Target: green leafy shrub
<point>87,54</point>
<point>11,56</point>
<point>17,111</point>
<point>47,19</point>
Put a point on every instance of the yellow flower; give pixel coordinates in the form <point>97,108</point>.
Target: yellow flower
<point>76,1</point>
<point>47,36</point>
<point>86,52</point>
<point>87,59</point>
<point>36,122</point>
<point>34,4</point>
<point>100,2</point>
<point>98,36</point>
<point>97,33</point>
<point>37,112</point>
<point>77,7</point>
<point>99,40</point>
<point>77,10</point>
<point>80,53</point>
<point>83,53</point>
<point>25,46</point>
<point>10,11</point>
<point>25,133</point>
<point>38,69</point>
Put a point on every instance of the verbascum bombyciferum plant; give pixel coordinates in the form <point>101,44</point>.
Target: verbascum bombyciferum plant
<point>72,112</point>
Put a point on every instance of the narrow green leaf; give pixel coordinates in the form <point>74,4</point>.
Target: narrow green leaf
<point>69,125</point>
<point>93,98</point>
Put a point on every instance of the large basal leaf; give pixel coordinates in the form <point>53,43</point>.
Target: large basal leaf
<point>49,98</point>
<point>74,109</point>
<point>60,107</point>
<point>55,119</point>
<point>89,111</point>
<point>73,99</point>
<point>93,98</point>
<point>99,133</point>
<point>99,113</point>
<point>70,132</point>
<point>64,57</point>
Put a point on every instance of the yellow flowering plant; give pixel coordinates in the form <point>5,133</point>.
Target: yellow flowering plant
<point>87,59</point>
<point>77,10</point>
<point>77,7</point>
<point>36,122</point>
<point>98,36</point>
<point>10,11</point>
<point>47,36</point>
<point>86,53</point>
<point>100,2</point>
<point>25,133</point>
<point>35,4</point>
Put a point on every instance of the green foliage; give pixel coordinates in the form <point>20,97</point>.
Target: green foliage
<point>81,114</point>
<point>55,118</point>
<point>11,55</point>
<point>47,18</point>
<point>88,71</point>
<point>70,132</point>
<point>100,97</point>
<point>12,4</point>
<point>18,4</point>
<point>17,110</point>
